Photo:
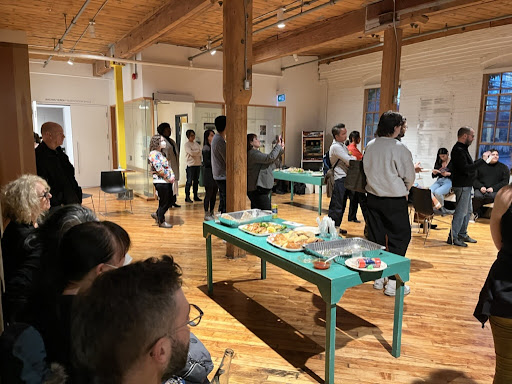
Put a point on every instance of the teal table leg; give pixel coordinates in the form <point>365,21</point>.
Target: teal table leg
<point>291,196</point>
<point>263,269</point>
<point>397,322</point>
<point>330,342</point>
<point>209,269</point>
<point>320,202</point>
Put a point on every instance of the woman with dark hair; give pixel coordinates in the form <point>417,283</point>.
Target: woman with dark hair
<point>85,251</point>
<point>355,197</point>
<point>260,178</point>
<point>163,179</point>
<point>210,185</point>
<point>442,170</point>
<point>495,303</point>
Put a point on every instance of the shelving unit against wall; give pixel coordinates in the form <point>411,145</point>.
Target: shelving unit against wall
<point>312,150</point>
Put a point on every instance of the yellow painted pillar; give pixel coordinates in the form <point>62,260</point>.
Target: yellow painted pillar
<point>121,139</point>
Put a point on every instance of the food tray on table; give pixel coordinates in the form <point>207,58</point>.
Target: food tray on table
<point>234,219</point>
<point>344,248</point>
<point>263,228</point>
<point>292,241</point>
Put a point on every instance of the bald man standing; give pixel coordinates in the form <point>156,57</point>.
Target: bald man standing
<point>53,165</point>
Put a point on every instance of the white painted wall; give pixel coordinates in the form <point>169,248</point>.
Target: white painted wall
<point>441,85</point>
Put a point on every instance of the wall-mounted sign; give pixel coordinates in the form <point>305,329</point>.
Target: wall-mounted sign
<point>281,98</point>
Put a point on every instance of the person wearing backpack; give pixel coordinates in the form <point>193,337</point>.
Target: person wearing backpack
<point>339,156</point>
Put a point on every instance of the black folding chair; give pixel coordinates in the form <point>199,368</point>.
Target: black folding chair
<point>422,203</point>
<point>112,182</point>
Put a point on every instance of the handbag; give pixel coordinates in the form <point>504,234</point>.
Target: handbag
<point>329,180</point>
<point>356,179</point>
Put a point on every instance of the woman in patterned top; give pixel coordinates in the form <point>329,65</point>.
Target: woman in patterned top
<point>163,179</point>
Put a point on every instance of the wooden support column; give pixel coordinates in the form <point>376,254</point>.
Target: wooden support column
<point>237,71</point>
<point>390,76</point>
<point>17,154</point>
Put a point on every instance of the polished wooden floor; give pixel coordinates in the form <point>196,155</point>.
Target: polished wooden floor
<point>277,326</point>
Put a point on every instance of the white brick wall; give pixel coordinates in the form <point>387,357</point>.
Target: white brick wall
<point>441,85</point>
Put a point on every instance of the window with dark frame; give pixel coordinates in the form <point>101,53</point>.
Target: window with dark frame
<point>371,113</point>
<point>496,125</point>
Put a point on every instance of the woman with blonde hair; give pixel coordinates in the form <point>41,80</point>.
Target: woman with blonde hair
<point>163,179</point>
<point>24,201</point>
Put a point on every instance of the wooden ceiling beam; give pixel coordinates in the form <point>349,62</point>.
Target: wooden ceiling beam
<point>165,19</point>
<point>350,24</point>
<point>331,57</point>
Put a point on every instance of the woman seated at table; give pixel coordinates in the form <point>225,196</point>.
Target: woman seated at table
<point>442,171</point>
<point>495,303</point>
<point>260,179</point>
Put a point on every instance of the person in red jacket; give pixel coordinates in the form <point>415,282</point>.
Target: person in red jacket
<point>355,197</point>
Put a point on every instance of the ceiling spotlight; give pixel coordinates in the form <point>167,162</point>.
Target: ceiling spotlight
<point>213,51</point>
<point>59,46</point>
<point>190,63</point>
<point>280,14</point>
<point>92,29</point>
<point>295,57</point>
<point>70,61</point>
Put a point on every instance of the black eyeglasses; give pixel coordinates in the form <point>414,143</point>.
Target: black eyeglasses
<point>45,194</point>
<point>197,314</point>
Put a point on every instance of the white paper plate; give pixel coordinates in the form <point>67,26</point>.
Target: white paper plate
<point>315,230</point>
<point>269,240</point>
<point>352,263</point>
<point>243,228</point>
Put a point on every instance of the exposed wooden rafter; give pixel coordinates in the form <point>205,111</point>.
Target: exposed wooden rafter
<point>165,19</point>
<point>350,24</point>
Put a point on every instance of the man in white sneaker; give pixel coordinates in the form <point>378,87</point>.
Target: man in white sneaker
<point>390,174</point>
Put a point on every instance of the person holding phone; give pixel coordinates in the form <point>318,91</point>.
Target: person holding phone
<point>442,171</point>
<point>260,178</point>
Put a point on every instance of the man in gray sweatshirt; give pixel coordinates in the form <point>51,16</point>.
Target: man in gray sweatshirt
<point>219,160</point>
<point>389,170</point>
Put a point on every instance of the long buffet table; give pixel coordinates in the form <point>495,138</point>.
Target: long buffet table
<point>331,283</point>
<point>306,178</point>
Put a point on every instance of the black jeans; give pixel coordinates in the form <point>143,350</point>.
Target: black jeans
<point>210,197</point>
<point>388,223</point>
<point>260,198</point>
<point>336,204</point>
<point>354,201</point>
<point>166,199</point>
<point>222,195</point>
<point>192,179</point>
<point>480,199</point>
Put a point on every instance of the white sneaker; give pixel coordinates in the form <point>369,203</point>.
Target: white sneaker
<point>391,288</point>
<point>380,283</point>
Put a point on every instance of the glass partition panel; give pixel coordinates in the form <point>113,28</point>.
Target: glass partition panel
<point>138,132</point>
<point>204,117</point>
<point>267,123</point>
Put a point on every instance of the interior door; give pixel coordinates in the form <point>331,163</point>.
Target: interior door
<point>90,143</point>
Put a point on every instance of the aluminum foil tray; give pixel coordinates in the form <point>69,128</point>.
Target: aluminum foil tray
<point>234,219</point>
<point>344,248</point>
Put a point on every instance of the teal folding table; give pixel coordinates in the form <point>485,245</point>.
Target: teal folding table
<point>331,283</point>
<point>306,178</point>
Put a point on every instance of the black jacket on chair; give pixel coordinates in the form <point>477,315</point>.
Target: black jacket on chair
<point>55,168</point>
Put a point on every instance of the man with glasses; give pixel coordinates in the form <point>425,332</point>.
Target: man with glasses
<point>463,176</point>
<point>53,165</point>
<point>132,325</point>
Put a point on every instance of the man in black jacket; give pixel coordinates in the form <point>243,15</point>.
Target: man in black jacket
<point>53,165</point>
<point>490,178</point>
<point>463,176</point>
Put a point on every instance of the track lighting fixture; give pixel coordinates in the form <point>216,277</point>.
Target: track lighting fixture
<point>71,61</point>
<point>280,16</point>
